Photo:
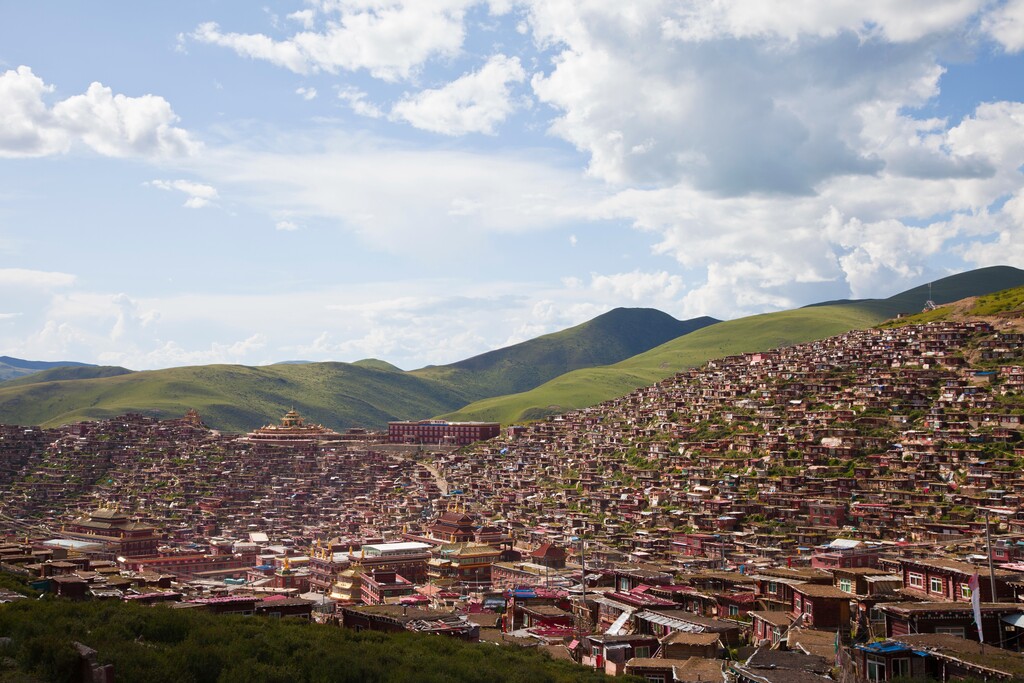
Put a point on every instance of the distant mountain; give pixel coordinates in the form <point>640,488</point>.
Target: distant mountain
<point>942,291</point>
<point>11,368</point>
<point>611,337</point>
<point>590,386</point>
<point>71,372</point>
<point>368,393</point>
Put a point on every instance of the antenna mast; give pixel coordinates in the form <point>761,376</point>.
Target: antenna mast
<point>929,305</point>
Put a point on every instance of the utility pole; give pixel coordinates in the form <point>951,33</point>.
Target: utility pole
<point>582,620</point>
<point>988,546</point>
<point>992,575</point>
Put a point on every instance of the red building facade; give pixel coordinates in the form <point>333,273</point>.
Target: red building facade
<point>441,432</point>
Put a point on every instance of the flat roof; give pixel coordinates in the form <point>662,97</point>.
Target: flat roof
<point>402,545</point>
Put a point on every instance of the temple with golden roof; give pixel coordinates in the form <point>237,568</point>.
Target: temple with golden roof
<point>292,430</point>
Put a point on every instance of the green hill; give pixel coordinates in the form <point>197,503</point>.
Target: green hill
<point>755,333</point>
<point>368,393</point>
<point>68,372</point>
<point>12,368</point>
<point>164,645</point>
<point>608,338</point>
<point>235,397</point>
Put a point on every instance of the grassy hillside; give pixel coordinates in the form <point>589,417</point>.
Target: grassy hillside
<point>161,644</point>
<point>756,333</point>
<point>235,398</point>
<point>12,368</point>
<point>368,393</point>
<point>608,338</point>
<point>592,385</point>
<point>943,291</point>
<point>1007,304</point>
<point>70,372</point>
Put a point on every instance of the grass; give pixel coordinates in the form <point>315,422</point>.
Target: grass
<point>608,338</point>
<point>590,386</point>
<point>235,398</point>
<point>746,335</point>
<point>599,360</point>
<point>368,393</point>
<point>1006,301</point>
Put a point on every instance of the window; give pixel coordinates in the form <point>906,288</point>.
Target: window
<point>900,667</point>
<point>935,585</point>
<point>773,587</point>
<point>734,611</point>
<point>965,591</point>
<point>846,585</point>
<point>951,630</point>
<point>916,580</point>
<point>642,651</point>
<point>876,669</point>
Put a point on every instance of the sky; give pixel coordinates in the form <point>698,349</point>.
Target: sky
<point>221,182</point>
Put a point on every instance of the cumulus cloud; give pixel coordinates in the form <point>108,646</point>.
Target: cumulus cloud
<point>199,194</point>
<point>357,101</point>
<point>306,93</point>
<point>903,21</point>
<point>111,124</point>
<point>286,226</point>
<point>475,103</point>
<point>390,38</point>
<point>727,115</point>
<point>305,17</point>
<point>1006,25</point>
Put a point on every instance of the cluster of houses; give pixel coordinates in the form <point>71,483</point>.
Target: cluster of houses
<point>850,507</point>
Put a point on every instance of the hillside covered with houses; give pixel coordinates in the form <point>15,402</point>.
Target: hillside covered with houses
<point>823,510</point>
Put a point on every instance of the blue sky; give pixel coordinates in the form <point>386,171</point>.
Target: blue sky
<point>208,182</point>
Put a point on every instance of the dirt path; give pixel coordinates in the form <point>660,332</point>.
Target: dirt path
<point>442,485</point>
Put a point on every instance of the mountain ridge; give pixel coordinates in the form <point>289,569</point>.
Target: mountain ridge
<point>590,386</point>
<point>366,393</point>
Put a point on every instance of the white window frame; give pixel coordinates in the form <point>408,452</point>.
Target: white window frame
<point>875,669</point>
<point>915,580</point>
<point>933,581</point>
<point>900,667</point>
<point>951,630</point>
<point>846,585</point>
<point>965,591</point>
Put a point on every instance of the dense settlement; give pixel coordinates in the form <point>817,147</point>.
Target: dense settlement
<point>847,509</point>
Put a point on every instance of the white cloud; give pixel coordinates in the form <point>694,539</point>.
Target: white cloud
<point>473,103</point>
<point>34,279</point>
<point>199,195</point>
<point>745,96</point>
<point>1006,25</point>
<point>174,354</point>
<point>112,125</point>
<point>306,18</point>
<point>900,21</point>
<point>306,93</point>
<point>26,127</point>
<point>388,38</point>
<point>447,196</point>
<point>286,226</point>
<point>357,102</point>
<point>638,287</point>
